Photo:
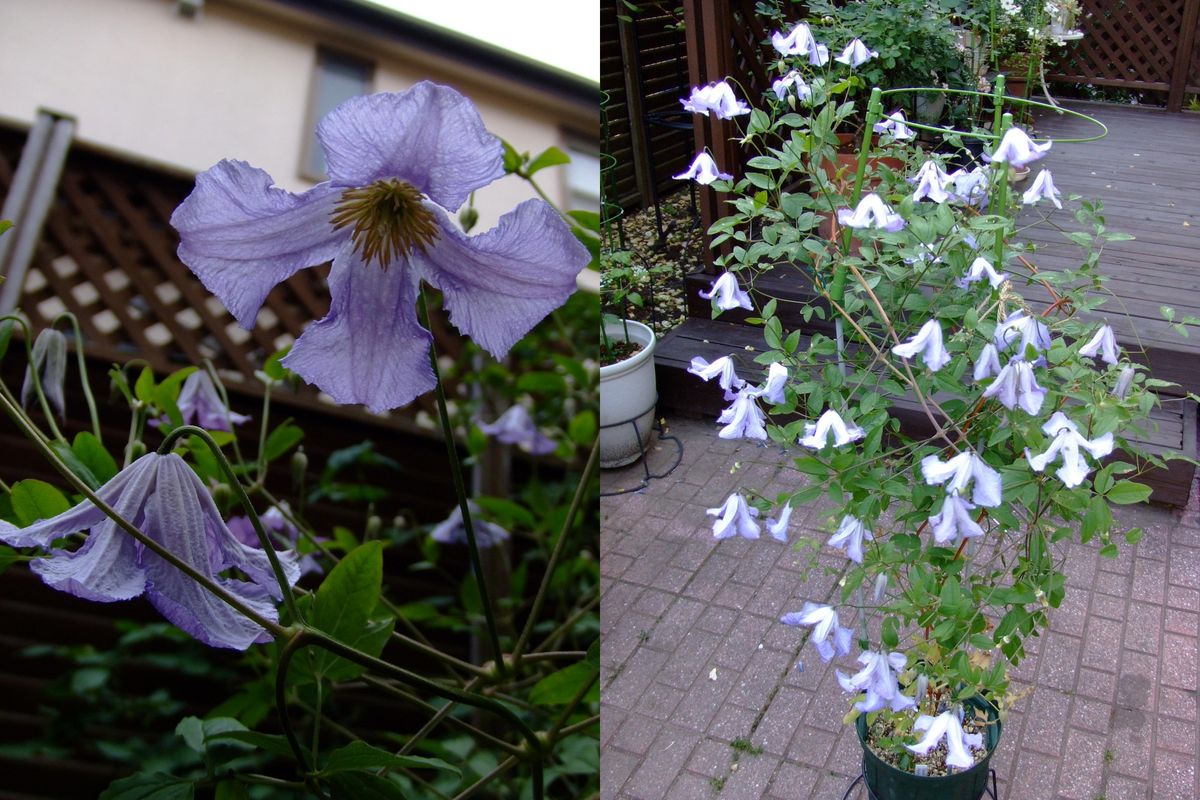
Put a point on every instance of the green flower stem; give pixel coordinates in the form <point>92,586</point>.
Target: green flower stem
<point>837,286</point>
<point>262,430</point>
<point>34,435</point>
<point>83,375</point>
<point>552,735</point>
<point>501,768</point>
<point>554,636</point>
<point>582,725</point>
<point>224,395</point>
<point>1001,196</point>
<point>293,645</point>
<point>35,378</point>
<point>576,502</point>
<point>461,491</point>
<point>285,588</point>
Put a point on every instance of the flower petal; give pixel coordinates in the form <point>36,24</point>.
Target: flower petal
<point>501,283</point>
<point>430,136</point>
<point>104,569</point>
<point>241,235</point>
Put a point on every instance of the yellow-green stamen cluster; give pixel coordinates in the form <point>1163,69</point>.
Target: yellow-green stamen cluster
<point>388,218</point>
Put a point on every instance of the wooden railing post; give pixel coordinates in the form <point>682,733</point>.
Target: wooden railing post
<point>1185,46</point>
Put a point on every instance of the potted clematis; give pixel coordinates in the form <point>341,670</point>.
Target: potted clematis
<point>964,433</point>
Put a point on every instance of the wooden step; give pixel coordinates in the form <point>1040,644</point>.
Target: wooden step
<point>1172,429</point>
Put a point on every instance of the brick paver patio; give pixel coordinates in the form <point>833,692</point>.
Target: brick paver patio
<point>702,698</point>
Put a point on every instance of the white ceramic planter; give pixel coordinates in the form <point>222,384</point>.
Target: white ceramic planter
<point>627,391</point>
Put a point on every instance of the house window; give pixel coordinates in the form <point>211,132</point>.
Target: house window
<point>337,78</point>
<point>583,174</point>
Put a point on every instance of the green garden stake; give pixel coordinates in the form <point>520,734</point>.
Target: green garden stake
<point>837,288</point>
<point>1001,190</point>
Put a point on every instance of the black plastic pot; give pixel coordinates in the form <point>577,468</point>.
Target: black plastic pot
<point>889,783</point>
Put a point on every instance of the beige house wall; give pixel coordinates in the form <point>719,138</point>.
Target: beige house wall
<point>233,82</point>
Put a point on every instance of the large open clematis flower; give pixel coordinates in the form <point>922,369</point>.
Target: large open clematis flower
<point>722,369</point>
<point>849,537</point>
<point>856,54</point>
<point>957,741</point>
<point>928,342</point>
<point>824,620</point>
<point>744,419</point>
<point>717,97</point>
<point>726,294</point>
<point>1067,441</point>
<point>871,212</point>
<point>1103,344</point>
<point>961,470</point>
<point>1017,148</point>
<point>799,42</point>
<point>931,181</point>
<point>703,171</point>
<point>816,434</point>
<point>1017,385</point>
<point>163,497</point>
<point>397,164</point>
<point>735,517</point>
<point>878,679</point>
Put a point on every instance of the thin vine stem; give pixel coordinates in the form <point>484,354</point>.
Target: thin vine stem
<point>81,361</point>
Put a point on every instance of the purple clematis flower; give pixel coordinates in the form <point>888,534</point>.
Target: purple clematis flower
<point>50,361</point>
<point>954,520</point>
<point>1042,189</point>
<point>397,163</point>
<point>778,527</point>
<point>878,679</point>
<point>744,419</point>
<point>982,268</point>
<point>1104,344</point>
<point>777,378</point>
<point>856,54</point>
<point>452,530</point>
<point>783,86</point>
<point>726,294</point>
<point>988,363</point>
<point>703,171</point>
<point>825,624</point>
<point>275,523</point>
<point>162,496</point>
<point>1018,149</point>
<point>1029,331</point>
<point>971,186</point>
<point>198,400</point>
<point>1017,385</point>
<point>895,124</point>
<point>735,517</point>
<point>515,426</point>
<point>1124,381</point>
<point>801,42</point>
<point>816,435</point>
<point>931,181</point>
<point>722,369</point>
<point>928,342</point>
<point>957,741</point>
<point>871,212</point>
<point>718,98</point>
<point>1067,441</point>
<point>849,537</point>
<point>961,470</point>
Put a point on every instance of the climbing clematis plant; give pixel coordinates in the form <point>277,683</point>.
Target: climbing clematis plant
<point>955,403</point>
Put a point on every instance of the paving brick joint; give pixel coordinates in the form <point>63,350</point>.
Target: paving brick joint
<point>702,696</point>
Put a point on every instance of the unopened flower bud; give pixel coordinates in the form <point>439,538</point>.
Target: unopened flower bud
<point>374,524</point>
<point>881,582</point>
<point>468,217</point>
<point>922,687</point>
<point>136,450</point>
<point>222,494</point>
<point>1124,381</point>
<point>299,466</point>
<point>50,362</point>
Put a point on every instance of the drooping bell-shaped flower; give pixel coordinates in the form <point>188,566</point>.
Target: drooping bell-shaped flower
<point>170,504</point>
<point>703,171</point>
<point>856,54</point>
<point>988,363</point>
<point>1124,381</point>
<point>799,42</point>
<point>399,163</point>
<point>829,637</point>
<point>718,98</point>
<point>1017,148</point>
<point>50,362</point>
<point>784,86</point>
<point>931,181</point>
<point>964,468</point>
<point>516,427</point>
<point>735,517</point>
<point>982,268</point>
<point>778,527</point>
<point>1103,344</point>
<point>1042,189</point>
<point>971,186</point>
<point>1067,442</point>
<point>722,369</point>
<point>199,402</point>
<point>816,435</point>
<point>452,530</point>
<point>728,295</point>
<point>744,419</point>
<point>772,389</point>
<point>957,741</point>
<point>954,520</point>
<point>849,537</point>
<point>277,525</point>
<point>896,124</point>
<point>871,212</point>
<point>1023,329</point>
<point>927,342</point>
<point>1017,385</point>
<point>878,679</point>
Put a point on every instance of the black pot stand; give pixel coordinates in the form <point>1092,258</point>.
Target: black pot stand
<point>991,790</point>
<point>662,437</point>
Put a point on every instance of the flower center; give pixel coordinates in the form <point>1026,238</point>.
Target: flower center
<point>388,219</point>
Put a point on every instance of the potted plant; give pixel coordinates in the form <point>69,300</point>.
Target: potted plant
<point>628,391</point>
<point>961,432</point>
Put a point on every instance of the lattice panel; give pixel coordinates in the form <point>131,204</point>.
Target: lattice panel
<point>1128,43</point>
<point>107,255</point>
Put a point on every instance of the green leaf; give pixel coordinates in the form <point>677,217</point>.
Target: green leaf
<point>6,329</point>
<point>512,159</point>
<point>588,219</point>
<point>144,388</point>
<point>272,367</point>
<point>582,428</point>
<point>272,743</point>
<point>197,733</point>
<point>33,500</point>
<point>72,461</point>
<point>345,600</point>
<point>543,382</point>
<point>231,790</point>
<point>8,557</point>
<point>1133,535</point>
<point>559,688</point>
<point>362,756</point>
<point>282,439</point>
<point>149,786</point>
<point>363,786</point>
<point>1127,492</point>
<point>550,157</point>
<point>91,452</point>
<point>1109,551</point>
